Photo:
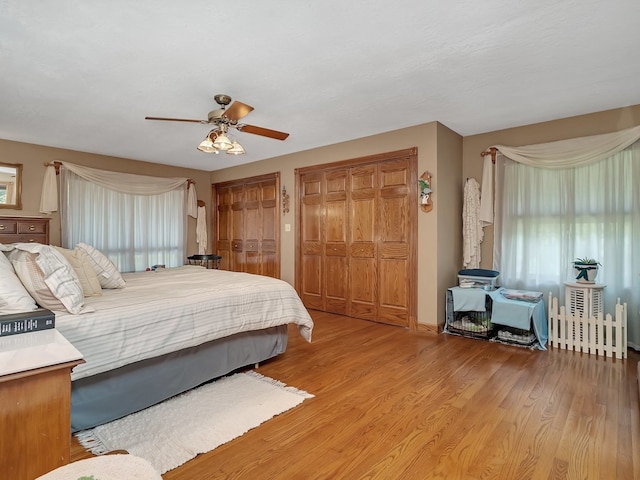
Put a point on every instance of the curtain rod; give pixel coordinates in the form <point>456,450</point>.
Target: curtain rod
<point>54,164</point>
<point>492,151</point>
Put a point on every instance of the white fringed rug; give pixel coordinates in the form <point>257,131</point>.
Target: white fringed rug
<point>176,430</point>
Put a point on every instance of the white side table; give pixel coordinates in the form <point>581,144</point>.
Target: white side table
<point>35,394</point>
<point>586,298</point>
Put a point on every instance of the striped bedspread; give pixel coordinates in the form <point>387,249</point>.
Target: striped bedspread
<point>171,309</point>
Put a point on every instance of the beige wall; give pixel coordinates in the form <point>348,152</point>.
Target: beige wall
<point>33,157</point>
<point>449,157</point>
<point>446,169</point>
<point>579,126</point>
<point>449,225</point>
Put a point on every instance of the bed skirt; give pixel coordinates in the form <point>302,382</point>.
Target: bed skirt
<point>111,395</point>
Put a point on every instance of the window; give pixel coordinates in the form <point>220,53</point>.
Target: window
<point>134,231</point>
<point>552,216</point>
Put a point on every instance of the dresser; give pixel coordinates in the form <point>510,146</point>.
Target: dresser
<point>24,229</point>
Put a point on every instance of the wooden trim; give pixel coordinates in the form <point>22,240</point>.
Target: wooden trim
<point>249,180</point>
<point>377,158</point>
<point>430,329</point>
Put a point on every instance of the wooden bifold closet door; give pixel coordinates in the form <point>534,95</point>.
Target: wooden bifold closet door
<point>357,251</point>
<point>247,225</point>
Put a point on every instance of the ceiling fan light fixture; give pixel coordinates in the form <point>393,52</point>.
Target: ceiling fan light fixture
<point>207,144</point>
<point>222,142</point>
<point>236,148</point>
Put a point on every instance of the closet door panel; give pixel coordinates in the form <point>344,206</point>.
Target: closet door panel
<point>394,243</point>
<point>270,258</point>
<point>363,242</point>
<point>311,224</point>
<point>394,294</point>
<point>336,224</point>
<point>269,247</point>
<point>262,257</point>
<point>223,242</point>
<point>237,229</point>
<point>252,256</point>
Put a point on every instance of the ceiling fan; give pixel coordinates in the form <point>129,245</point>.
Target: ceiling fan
<point>224,118</point>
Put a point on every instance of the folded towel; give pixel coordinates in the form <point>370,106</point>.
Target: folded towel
<point>468,299</point>
<point>512,313</point>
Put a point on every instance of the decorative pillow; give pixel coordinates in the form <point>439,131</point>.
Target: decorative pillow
<point>14,298</point>
<point>81,264</point>
<point>107,272</point>
<point>48,277</point>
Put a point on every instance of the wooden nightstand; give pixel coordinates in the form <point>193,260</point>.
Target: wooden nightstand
<point>35,403</point>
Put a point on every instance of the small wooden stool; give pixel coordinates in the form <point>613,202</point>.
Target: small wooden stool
<point>209,260</point>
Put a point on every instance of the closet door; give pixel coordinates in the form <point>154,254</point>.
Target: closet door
<point>311,281</point>
<point>335,256</point>
<point>248,225</point>
<point>395,236</point>
<point>357,238</point>
<point>363,242</point>
<point>223,227</point>
<point>237,255</point>
<point>270,230</point>
<point>325,223</point>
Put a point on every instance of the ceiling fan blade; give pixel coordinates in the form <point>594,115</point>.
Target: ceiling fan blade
<point>265,132</point>
<point>177,119</point>
<point>237,110</point>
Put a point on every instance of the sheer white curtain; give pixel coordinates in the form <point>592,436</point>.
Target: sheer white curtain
<point>135,231</point>
<point>546,217</point>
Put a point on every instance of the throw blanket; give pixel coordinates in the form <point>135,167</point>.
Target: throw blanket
<point>471,227</point>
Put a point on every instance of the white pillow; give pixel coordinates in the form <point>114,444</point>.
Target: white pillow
<point>48,277</point>
<point>14,298</point>
<point>81,264</point>
<point>107,272</point>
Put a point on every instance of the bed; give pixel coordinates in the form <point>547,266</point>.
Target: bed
<point>170,330</point>
<point>163,332</point>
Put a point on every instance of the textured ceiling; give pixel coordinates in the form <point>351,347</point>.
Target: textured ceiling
<point>83,74</point>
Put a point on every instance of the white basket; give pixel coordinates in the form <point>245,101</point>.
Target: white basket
<point>478,281</point>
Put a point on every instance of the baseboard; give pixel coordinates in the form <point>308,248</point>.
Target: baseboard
<point>432,329</point>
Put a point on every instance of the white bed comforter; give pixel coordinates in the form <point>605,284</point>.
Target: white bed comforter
<point>171,309</point>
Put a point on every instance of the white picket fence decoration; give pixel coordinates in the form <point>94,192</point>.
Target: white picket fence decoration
<point>593,335</point>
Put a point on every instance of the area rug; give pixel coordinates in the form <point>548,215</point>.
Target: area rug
<point>176,430</point>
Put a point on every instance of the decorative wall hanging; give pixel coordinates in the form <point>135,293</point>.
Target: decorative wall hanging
<point>424,183</point>
<point>285,200</point>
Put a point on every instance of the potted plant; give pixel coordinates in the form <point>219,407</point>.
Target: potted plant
<point>585,269</point>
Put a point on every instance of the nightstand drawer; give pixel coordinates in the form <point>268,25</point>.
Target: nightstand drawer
<point>33,227</point>
<point>8,226</point>
<point>26,238</point>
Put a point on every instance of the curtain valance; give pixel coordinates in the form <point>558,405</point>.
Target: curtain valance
<point>121,182</point>
<point>126,182</point>
<point>573,152</point>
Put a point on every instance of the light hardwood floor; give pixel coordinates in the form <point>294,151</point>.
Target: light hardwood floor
<point>395,404</point>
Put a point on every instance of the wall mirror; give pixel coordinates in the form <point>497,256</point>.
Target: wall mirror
<point>11,185</point>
